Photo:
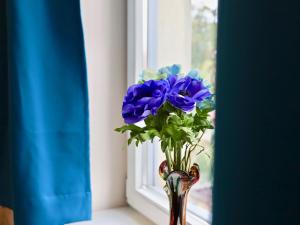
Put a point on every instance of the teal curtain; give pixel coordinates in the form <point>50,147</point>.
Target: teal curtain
<point>257,150</point>
<point>44,138</point>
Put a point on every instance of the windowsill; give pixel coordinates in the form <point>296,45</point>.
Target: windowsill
<point>124,216</point>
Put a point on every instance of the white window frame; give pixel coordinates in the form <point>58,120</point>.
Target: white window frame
<point>145,199</point>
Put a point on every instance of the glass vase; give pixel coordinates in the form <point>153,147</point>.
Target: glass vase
<point>178,185</point>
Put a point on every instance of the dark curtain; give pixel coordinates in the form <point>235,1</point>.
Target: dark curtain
<point>44,146</point>
<point>258,109</point>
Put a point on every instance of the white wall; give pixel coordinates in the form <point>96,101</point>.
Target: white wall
<point>104,24</point>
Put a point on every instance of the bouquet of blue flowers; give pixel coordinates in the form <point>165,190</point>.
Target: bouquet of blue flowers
<point>175,108</point>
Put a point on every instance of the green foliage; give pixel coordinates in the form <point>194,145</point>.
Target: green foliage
<point>174,128</point>
<point>138,134</point>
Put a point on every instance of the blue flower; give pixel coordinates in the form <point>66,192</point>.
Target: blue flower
<point>170,70</point>
<point>172,79</point>
<point>186,92</point>
<point>144,99</point>
<point>209,104</point>
<point>194,74</point>
<point>172,73</point>
<point>162,73</point>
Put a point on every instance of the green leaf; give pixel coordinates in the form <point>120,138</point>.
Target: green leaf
<point>188,134</point>
<point>130,127</point>
<point>129,141</point>
<point>153,133</point>
<point>188,120</point>
<point>173,118</point>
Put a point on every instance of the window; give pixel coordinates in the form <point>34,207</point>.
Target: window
<point>163,33</point>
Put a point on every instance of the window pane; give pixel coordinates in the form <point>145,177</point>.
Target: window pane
<point>204,31</point>
<point>184,32</point>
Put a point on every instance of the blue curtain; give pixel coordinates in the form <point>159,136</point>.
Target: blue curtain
<point>257,150</point>
<point>44,140</point>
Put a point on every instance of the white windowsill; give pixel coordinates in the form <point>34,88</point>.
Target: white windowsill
<point>118,216</point>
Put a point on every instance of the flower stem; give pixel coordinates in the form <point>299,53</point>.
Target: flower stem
<point>191,149</point>
<point>168,158</point>
<point>178,164</point>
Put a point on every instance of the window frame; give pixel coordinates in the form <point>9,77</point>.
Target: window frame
<point>146,199</point>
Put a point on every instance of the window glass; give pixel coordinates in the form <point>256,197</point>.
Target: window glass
<point>204,31</point>
<point>184,32</point>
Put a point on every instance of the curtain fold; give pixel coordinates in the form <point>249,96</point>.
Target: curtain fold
<point>257,148</point>
<point>44,138</point>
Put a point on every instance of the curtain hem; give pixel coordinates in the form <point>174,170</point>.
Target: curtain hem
<point>52,210</point>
